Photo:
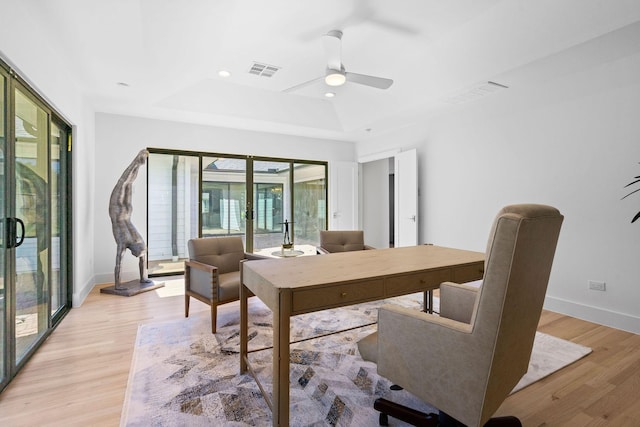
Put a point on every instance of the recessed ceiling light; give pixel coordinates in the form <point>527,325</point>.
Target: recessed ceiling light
<point>224,73</point>
<point>330,94</point>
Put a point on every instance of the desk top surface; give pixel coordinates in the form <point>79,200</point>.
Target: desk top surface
<point>357,265</point>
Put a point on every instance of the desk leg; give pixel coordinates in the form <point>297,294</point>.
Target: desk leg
<point>428,302</point>
<point>281,322</point>
<point>244,327</point>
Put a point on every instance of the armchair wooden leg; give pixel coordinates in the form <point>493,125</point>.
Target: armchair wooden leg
<point>214,317</point>
<point>186,305</point>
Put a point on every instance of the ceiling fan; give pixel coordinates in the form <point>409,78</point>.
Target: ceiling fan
<point>335,74</point>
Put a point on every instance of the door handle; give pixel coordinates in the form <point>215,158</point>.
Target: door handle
<point>11,235</point>
<point>413,218</point>
<point>18,243</point>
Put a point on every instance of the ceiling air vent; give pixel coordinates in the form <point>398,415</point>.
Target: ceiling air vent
<point>264,70</point>
<point>476,92</point>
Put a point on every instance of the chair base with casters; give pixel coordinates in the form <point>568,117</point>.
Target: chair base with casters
<point>416,418</point>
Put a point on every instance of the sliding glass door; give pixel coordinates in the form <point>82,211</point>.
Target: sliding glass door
<point>310,202</point>
<point>31,214</point>
<point>4,344</point>
<point>258,199</point>
<point>224,197</point>
<point>271,203</point>
<point>173,219</point>
<point>59,141</point>
<point>35,194</point>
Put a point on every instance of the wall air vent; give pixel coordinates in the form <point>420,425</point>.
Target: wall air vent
<point>475,92</point>
<point>264,70</point>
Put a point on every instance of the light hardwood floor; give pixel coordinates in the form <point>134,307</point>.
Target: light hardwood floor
<point>79,376</point>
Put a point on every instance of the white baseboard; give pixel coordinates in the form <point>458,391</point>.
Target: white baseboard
<point>614,319</point>
<point>108,277</point>
<point>81,294</point>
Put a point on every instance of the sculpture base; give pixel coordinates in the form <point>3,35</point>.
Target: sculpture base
<point>131,288</point>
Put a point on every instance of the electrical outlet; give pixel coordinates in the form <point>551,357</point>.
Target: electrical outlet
<point>597,286</point>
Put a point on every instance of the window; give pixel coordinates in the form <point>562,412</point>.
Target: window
<point>208,195</point>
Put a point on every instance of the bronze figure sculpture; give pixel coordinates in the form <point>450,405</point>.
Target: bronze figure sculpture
<point>125,233</point>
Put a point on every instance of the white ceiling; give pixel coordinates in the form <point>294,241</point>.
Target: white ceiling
<point>169,53</point>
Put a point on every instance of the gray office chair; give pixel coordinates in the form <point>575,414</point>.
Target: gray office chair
<point>466,361</point>
<point>332,241</point>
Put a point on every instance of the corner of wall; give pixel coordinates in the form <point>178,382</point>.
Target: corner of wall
<point>81,294</point>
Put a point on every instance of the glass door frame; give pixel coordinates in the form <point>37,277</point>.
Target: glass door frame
<point>7,312</point>
<point>249,208</point>
<point>65,218</point>
<point>14,82</point>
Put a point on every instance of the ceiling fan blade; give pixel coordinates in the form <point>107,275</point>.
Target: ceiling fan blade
<point>302,85</point>
<point>332,42</point>
<point>363,79</point>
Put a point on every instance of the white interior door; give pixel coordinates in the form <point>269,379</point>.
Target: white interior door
<point>374,208</point>
<point>406,198</point>
<point>343,195</point>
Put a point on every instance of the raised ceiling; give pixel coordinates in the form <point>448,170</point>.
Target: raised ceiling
<point>161,58</point>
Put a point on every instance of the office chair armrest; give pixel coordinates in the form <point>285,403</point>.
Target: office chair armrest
<point>457,301</point>
<point>395,315</point>
<point>321,251</point>
<point>425,353</point>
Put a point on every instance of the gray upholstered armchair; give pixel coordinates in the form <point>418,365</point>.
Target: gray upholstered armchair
<point>466,361</point>
<point>212,273</point>
<point>341,241</point>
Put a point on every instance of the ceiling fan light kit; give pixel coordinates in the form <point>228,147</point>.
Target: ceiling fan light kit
<point>335,78</point>
<point>335,74</point>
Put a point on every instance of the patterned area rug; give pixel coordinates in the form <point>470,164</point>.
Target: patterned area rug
<point>182,375</point>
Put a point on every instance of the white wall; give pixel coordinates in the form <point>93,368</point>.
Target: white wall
<point>573,142</point>
<point>26,45</point>
<point>119,138</point>
<point>375,203</point>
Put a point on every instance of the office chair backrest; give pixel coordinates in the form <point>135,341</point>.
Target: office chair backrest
<point>342,240</point>
<point>519,257</point>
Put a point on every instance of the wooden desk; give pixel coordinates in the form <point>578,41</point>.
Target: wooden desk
<point>305,284</point>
